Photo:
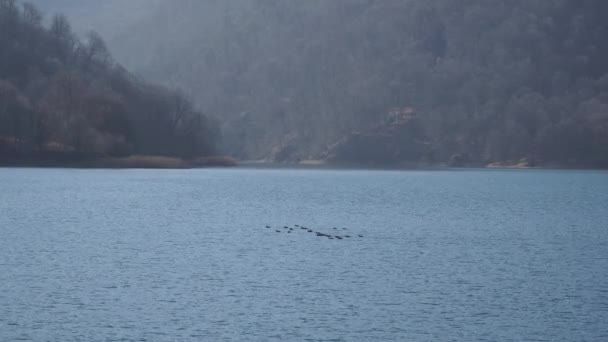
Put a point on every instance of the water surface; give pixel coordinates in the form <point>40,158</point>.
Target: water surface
<point>184,255</point>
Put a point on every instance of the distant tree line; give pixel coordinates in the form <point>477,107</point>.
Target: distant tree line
<point>487,80</point>
<point>62,97</point>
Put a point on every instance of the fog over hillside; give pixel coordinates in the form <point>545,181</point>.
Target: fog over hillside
<point>107,17</point>
<point>65,101</point>
<point>466,82</point>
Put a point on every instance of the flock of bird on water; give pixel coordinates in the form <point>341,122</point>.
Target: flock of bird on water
<point>288,229</point>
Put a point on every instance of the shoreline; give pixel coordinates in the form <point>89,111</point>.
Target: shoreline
<point>129,162</point>
<point>319,164</point>
<point>172,163</point>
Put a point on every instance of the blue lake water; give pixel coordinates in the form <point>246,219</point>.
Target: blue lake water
<point>184,255</point>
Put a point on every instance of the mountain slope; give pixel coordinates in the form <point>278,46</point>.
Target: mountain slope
<point>63,98</point>
<point>461,81</point>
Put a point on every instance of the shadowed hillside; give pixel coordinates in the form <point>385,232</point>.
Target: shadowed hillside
<point>460,82</point>
<point>63,99</point>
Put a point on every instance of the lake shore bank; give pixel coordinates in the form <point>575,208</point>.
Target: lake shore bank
<point>322,164</point>
<point>129,162</point>
<point>163,162</point>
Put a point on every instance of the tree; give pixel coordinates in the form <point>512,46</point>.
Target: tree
<point>31,15</point>
<point>61,31</point>
<point>94,53</point>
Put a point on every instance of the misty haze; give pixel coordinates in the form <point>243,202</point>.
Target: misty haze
<point>315,170</point>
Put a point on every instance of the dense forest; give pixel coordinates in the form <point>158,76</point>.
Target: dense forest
<point>414,82</point>
<point>466,82</point>
<point>63,99</point>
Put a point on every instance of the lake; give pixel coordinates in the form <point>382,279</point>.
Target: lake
<point>185,255</point>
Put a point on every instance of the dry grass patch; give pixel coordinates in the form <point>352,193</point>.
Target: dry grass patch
<point>144,162</point>
<point>218,161</point>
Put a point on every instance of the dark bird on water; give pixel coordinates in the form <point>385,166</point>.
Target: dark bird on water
<point>346,236</point>
<point>267,226</point>
<point>310,231</point>
<point>360,235</point>
<point>278,231</point>
<point>285,227</point>
<point>296,225</point>
<point>324,235</point>
<point>339,237</point>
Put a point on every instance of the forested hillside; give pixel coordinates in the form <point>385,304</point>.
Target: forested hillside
<point>63,99</point>
<point>389,81</point>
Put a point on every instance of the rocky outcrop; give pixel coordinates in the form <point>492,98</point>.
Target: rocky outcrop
<point>397,139</point>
